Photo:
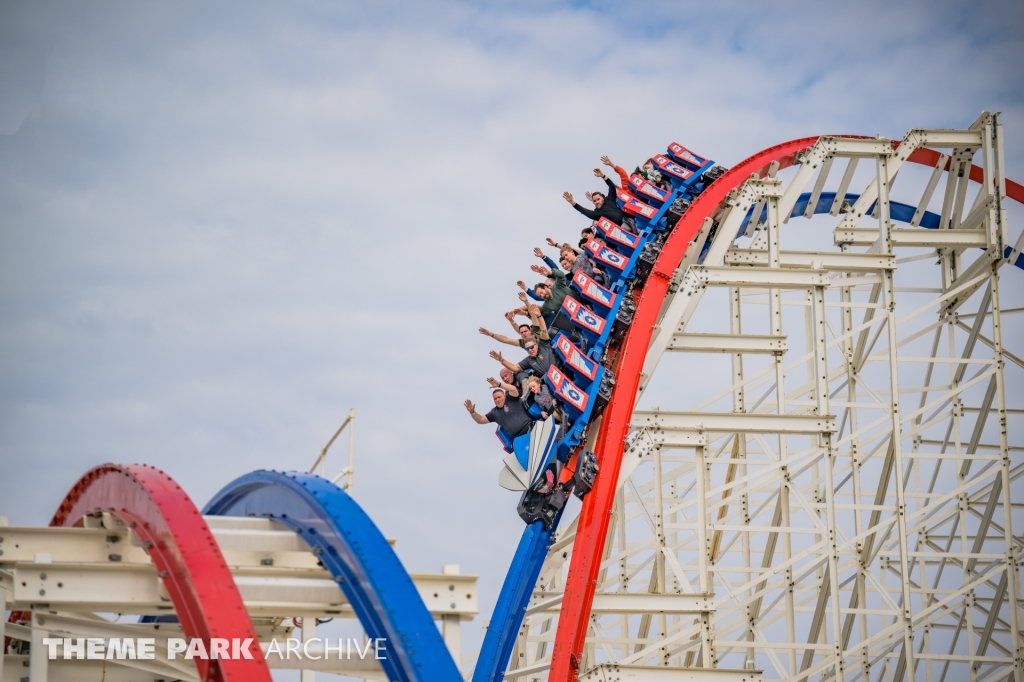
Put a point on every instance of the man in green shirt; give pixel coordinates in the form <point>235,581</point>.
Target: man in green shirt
<point>537,331</point>
<point>554,290</point>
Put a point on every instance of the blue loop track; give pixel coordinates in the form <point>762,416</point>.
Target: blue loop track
<point>359,557</point>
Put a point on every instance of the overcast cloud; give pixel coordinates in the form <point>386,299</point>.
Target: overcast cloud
<point>224,224</point>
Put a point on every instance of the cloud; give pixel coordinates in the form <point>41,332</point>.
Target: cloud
<point>226,224</point>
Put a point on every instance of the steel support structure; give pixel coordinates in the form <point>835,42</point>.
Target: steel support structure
<point>837,491</point>
<point>192,570</point>
<point>281,551</point>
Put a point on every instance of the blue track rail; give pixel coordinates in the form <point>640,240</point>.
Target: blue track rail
<point>511,606</point>
<point>359,557</point>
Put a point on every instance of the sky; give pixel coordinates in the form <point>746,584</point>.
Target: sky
<point>224,224</point>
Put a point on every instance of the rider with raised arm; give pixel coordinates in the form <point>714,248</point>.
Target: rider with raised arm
<point>619,170</point>
<point>508,412</point>
<point>552,292</point>
<point>539,357</point>
<point>536,331</point>
<point>604,205</point>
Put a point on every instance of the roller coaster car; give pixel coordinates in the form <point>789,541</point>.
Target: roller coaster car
<point>506,440</point>
<point>713,174</point>
<point>590,324</point>
<point>685,156</point>
<point>604,392</point>
<point>670,168</point>
<point>613,262</point>
<point>572,397</point>
<point>578,367</point>
<point>677,209</point>
<point>648,256</point>
<point>634,207</point>
<point>623,318</point>
<point>542,501</point>
<point>647,189</point>
<point>586,473</point>
<point>600,298</point>
<point>624,241</point>
<point>519,446</point>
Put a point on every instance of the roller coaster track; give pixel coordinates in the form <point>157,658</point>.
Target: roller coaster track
<point>358,556</point>
<point>184,552</point>
<point>365,568</point>
<point>632,366</point>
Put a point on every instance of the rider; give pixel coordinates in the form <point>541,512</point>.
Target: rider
<point>604,205</point>
<point>509,412</point>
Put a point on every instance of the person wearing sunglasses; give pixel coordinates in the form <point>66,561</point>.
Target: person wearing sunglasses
<point>539,357</point>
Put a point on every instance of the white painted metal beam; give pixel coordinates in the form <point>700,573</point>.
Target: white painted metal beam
<point>615,672</point>
<point>728,343</point>
<point>16,668</point>
<point>629,603</point>
<point>911,236</point>
<point>729,422</point>
<point>273,592</point>
<point>778,278</point>
<point>828,260</point>
<point>676,439</point>
<point>856,147</point>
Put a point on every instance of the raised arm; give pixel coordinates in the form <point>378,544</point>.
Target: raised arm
<point>529,292</point>
<point>511,317</point>
<point>623,175</point>
<point>498,337</point>
<point>509,388</point>
<point>538,322</point>
<point>564,245</point>
<point>541,270</point>
<point>593,215</point>
<point>471,408</point>
<point>612,188</point>
<point>505,363</point>
<point>540,254</point>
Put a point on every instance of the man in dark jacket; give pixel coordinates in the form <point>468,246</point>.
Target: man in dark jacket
<point>604,205</point>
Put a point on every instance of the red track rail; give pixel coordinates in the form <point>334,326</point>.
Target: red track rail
<point>588,547</point>
<point>183,550</point>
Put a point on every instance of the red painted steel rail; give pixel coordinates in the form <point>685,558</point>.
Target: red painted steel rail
<point>184,551</point>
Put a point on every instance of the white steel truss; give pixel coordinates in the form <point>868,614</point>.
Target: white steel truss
<point>830,494</point>
<point>65,577</point>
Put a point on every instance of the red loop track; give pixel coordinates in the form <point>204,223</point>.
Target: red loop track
<point>184,551</point>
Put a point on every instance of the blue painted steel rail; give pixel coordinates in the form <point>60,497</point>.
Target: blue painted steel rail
<point>511,606</point>
<point>359,557</point>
